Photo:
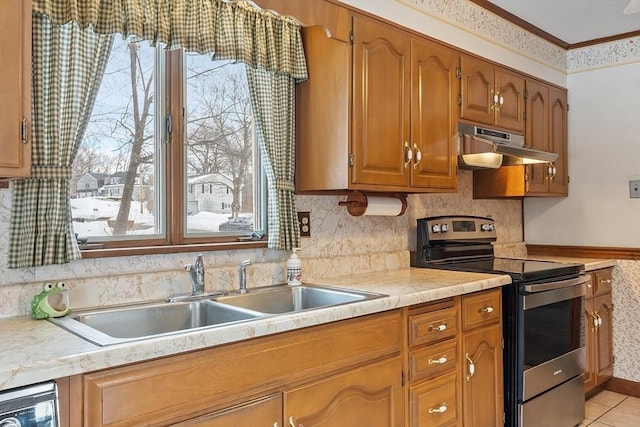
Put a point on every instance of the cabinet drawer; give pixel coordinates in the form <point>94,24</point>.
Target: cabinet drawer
<point>435,402</point>
<point>602,281</point>
<point>434,326</point>
<point>480,309</point>
<point>433,360</point>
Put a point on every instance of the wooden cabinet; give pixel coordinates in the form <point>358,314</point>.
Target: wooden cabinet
<point>378,112</point>
<point>455,362</point>
<point>482,386</point>
<point>351,369</point>
<point>435,397</point>
<point>598,323</point>
<point>492,95</point>
<point>15,88</point>
<point>368,396</point>
<point>546,129</point>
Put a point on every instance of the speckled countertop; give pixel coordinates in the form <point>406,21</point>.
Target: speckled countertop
<point>37,350</point>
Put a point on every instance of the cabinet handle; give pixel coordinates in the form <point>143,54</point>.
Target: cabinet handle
<point>440,328</point>
<point>486,310</point>
<point>24,130</point>
<point>292,421</point>
<point>595,321</point>
<point>275,424</point>
<point>440,361</point>
<point>599,320</point>
<point>418,156</point>
<point>408,156</point>
<point>496,100</point>
<point>605,281</point>
<point>440,409</point>
<point>471,368</point>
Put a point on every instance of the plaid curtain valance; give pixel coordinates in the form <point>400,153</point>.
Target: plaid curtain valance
<point>231,30</point>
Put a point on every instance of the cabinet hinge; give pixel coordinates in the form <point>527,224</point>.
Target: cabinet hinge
<point>568,179</point>
<point>503,343</point>
<point>352,160</point>
<point>402,378</point>
<point>526,176</point>
<point>567,107</point>
<point>352,38</point>
<point>459,99</point>
<point>459,72</point>
<point>23,131</point>
<point>525,94</point>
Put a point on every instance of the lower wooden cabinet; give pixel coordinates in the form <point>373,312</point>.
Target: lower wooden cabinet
<point>598,323</point>
<point>369,396</point>
<point>347,365</point>
<point>455,362</point>
<point>265,412</point>
<point>481,355</point>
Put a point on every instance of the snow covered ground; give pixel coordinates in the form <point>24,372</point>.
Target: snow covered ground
<point>90,215</point>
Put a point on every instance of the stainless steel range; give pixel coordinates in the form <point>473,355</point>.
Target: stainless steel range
<point>542,312</point>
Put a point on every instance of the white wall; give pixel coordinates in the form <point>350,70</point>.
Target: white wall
<point>604,154</point>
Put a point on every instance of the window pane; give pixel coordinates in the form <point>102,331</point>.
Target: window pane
<point>221,175</point>
<point>115,179</point>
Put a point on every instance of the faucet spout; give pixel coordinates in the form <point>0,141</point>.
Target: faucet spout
<point>243,275</point>
<point>196,275</point>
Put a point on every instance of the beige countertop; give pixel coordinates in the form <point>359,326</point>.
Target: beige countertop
<point>37,350</point>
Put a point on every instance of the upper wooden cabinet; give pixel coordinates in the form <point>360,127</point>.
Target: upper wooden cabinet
<point>15,88</point>
<point>378,112</point>
<point>546,129</point>
<point>492,95</point>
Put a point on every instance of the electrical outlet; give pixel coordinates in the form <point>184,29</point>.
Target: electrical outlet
<point>634,189</point>
<point>304,222</point>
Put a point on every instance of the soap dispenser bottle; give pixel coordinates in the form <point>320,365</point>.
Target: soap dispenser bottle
<point>294,269</point>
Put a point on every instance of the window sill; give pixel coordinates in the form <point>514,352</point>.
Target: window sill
<point>89,252</point>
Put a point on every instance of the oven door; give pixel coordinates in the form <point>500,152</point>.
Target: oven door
<point>553,350</point>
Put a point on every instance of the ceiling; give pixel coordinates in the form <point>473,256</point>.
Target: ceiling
<point>574,21</point>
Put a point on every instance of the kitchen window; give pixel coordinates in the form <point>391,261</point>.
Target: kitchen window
<point>148,156</point>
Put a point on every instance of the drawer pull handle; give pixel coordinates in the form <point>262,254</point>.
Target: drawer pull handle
<point>605,281</point>
<point>440,361</point>
<point>486,310</point>
<point>471,368</point>
<point>441,327</point>
<point>440,409</point>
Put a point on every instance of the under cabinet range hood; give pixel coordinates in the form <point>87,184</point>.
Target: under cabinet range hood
<point>484,148</point>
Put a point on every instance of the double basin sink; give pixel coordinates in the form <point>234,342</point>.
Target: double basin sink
<point>115,325</point>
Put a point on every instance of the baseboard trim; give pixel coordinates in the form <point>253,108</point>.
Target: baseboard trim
<point>619,385</point>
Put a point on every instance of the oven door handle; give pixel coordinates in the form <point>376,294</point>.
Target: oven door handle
<point>541,287</point>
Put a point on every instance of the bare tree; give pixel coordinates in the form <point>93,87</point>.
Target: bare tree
<point>135,123</point>
<point>220,138</point>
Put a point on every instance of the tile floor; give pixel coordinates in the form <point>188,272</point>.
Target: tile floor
<point>609,409</point>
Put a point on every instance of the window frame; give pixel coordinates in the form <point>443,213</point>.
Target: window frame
<point>172,142</point>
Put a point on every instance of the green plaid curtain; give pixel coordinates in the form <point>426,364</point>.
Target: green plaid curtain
<point>273,101</point>
<point>233,30</point>
<point>68,64</point>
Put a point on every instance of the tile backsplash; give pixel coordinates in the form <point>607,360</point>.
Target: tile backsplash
<point>339,244</point>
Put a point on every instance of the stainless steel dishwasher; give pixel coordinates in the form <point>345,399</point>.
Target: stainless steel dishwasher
<point>31,406</point>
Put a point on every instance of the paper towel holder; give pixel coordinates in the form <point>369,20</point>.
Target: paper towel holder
<point>357,202</point>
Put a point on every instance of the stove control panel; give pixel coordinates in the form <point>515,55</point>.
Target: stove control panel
<point>450,228</point>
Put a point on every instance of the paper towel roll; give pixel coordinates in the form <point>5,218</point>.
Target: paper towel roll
<point>383,206</point>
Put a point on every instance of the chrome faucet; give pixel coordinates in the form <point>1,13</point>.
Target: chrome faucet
<point>243,275</point>
<point>196,275</point>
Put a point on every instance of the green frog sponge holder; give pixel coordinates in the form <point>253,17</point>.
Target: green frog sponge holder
<point>53,301</point>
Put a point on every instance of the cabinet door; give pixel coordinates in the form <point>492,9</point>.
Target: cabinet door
<point>15,88</point>
<point>590,345</point>
<point>477,90</point>
<point>434,115</point>
<point>482,389</point>
<point>509,87</point>
<point>265,412</point>
<point>370,396</point>
<point>381,67</point>
<point>558,140</point>
<point>604,310</point>
<point>537,133</point>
